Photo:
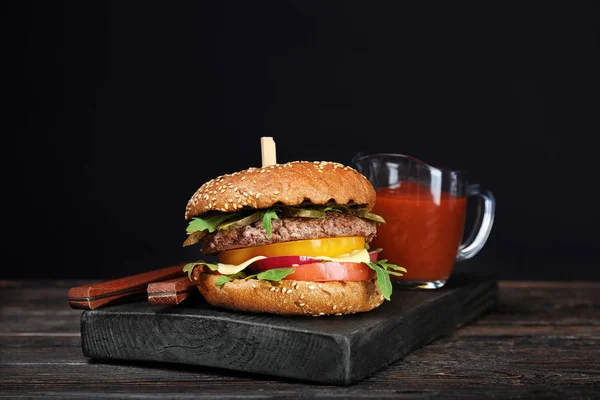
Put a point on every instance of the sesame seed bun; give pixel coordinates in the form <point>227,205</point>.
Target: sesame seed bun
<point>289,297</point>
<point>290,184</point>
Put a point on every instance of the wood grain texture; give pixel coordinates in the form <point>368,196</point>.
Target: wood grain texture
<point>550,350</point>
<point>95,295</point>
<point>338,350</point>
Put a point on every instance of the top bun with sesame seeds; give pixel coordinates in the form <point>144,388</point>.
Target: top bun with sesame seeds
<point>291,184</point>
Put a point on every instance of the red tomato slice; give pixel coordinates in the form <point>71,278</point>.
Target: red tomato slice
<point>332,271</point>
<point>310,269</point>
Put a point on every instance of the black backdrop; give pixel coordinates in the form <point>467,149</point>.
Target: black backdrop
<point>118,111</point>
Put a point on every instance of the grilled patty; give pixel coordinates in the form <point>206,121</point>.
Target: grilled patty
<point>288,229</point>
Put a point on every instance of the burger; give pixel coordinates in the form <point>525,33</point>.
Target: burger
<point>290,239</point>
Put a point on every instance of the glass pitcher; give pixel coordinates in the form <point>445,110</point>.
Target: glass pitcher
<point>425,211</point>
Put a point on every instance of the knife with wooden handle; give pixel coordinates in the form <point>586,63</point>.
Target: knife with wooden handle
<point>173,291</point>
<point>90,297</point>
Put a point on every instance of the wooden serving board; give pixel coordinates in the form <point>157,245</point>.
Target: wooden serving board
<point>336,350</point>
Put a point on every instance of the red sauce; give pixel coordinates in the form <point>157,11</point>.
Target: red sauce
<point>423,230</point>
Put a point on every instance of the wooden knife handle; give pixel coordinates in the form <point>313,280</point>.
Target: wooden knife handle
<point>90,297</point>
<point>173,291</point>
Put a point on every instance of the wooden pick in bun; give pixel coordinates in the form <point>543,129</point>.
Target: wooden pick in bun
<point>292,239</point>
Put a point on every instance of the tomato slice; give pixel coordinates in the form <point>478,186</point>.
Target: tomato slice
<point>332,271</point>
<point>330,247</point>
<point>310,269</point>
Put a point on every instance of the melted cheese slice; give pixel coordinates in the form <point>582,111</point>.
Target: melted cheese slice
<point>357,256</point>
<point>230,269</point>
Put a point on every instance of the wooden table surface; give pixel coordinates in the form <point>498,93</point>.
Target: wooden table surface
<point>543,341</point>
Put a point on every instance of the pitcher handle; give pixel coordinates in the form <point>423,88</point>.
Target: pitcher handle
<point>484,219</point>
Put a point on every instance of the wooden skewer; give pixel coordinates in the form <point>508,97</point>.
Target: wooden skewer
<point>268,151</point>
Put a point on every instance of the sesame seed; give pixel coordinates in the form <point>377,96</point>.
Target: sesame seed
<point>243,177</point>
<point>289,291</point>
<point>321,313</point>
<point>276,192</point>
<point>301,304</point>
<point>272,289</point>
<point>257,195</point>
<point>334,307</point>
<point>254,286</point>
<point>311,287</point>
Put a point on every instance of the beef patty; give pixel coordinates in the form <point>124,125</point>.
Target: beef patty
<point>289,229</point>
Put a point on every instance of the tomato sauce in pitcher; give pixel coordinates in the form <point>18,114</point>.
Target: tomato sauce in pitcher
<point>423,229</point>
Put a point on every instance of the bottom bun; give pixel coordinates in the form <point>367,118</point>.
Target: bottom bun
<point>289,297</point>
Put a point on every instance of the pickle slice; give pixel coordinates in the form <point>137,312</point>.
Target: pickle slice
<point>240,223</point>
<point>367,215</point>
<point>303,212</point>
<point>194,238</point>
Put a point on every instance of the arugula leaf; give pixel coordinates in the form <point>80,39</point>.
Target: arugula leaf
<point>267,217</point>
<point>209,223</point>
<point>275,274</point>
<point>383,270</point>
<point>189,267</point>
<point>383,280</point>
<point>387,265</point>
<point>221,280</point>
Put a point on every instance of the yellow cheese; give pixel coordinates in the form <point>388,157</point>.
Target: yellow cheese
<point>230,269</point>
<point>357,256</point>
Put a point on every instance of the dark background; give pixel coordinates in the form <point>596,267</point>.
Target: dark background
<point>116,112</point>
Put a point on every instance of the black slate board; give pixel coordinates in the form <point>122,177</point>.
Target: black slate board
<point>337,350</point>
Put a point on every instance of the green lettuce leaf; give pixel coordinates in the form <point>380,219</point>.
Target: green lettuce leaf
<point>267,217</point>
<point>223,279</point>
<point>275,274</point>
<point>383,270</point>
<point>189,267</point>
<point>209,224</point>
